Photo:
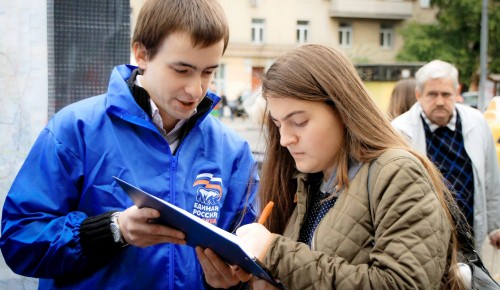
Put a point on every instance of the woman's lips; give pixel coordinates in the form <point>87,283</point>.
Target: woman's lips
<point>297,154</point>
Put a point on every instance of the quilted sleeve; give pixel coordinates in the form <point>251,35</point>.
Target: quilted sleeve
<point>411,237</point>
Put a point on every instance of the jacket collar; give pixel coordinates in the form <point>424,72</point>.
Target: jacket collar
<point>131,102</point>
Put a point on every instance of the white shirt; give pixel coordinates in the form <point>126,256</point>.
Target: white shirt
<point>172,137</point>
<point>433,127</point>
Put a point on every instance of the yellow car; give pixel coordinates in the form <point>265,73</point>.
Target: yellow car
<point>492,115</point>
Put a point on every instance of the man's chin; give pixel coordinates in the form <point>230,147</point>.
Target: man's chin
<point>184,113</point>
<point>441,120</point>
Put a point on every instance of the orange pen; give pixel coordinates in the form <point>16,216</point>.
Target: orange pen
<point>266,212</point>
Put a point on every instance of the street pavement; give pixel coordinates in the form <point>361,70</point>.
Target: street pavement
<point>249,130</point>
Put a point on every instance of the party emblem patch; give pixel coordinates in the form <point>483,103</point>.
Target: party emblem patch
<point>208,196</point>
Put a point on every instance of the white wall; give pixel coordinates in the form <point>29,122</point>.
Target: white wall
<point>23,97</point>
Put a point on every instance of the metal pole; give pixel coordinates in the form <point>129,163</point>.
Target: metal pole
<point>483,58</point>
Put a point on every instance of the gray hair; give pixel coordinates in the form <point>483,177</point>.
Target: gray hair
<point>436,69</point>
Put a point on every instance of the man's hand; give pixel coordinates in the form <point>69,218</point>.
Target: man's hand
<point>218,273</point>
<point>260,284</point>
<point>137,229</point>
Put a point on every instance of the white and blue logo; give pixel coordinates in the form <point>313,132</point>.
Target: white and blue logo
<point>208,196</point>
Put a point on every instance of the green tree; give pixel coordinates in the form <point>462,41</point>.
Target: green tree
<point>455,37</point>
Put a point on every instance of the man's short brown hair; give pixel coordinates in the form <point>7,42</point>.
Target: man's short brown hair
<point>204,20</point>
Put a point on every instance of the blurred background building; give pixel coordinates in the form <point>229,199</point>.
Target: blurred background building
<point>366,30</point>
<point>55,52</point>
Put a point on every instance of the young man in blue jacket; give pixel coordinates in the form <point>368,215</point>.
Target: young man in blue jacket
<point>152,129</point>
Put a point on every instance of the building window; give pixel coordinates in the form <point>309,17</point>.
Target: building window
<point>425,3</point>
<point>220,79</point>
<point>386,35</point>
<point>258,26</point>
<point>345,34</point>
<point>302,31</point>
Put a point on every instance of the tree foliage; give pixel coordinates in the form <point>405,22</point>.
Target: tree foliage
<point>455,37</point>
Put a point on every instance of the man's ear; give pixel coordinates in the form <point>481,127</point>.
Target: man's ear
<point>458,92</point>
<point>140,55</point>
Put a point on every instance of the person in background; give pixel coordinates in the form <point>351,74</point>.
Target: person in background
<point>222,105</point>
<point>233,108</point>
<point>402,97</point>
<point>65,219</point>
<point>459,141</point>
<point>354,206</point>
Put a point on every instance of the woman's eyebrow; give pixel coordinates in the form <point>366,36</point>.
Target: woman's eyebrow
<point>289,115</point>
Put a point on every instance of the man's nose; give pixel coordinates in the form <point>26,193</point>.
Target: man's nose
<point>440,100</point>
<point>194,87</point>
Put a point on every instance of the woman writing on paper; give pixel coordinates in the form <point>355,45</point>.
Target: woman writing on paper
<point>355,207</point>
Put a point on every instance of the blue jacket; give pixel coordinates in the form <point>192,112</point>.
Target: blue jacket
<point>68,176</point>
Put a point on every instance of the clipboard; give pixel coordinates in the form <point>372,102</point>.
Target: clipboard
<point>200,233</point>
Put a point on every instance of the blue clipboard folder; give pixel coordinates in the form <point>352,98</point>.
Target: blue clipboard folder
<point>199,232</point>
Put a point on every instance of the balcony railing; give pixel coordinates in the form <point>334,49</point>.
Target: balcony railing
<point>372,9</point>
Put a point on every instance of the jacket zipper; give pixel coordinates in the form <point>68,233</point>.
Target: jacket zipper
<point>172,200</point>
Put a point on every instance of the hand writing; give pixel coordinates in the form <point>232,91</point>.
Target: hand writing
<point>255,238</point>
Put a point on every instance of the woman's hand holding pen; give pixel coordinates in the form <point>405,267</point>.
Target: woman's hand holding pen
<point>219,274</point>
<point>255,237</point>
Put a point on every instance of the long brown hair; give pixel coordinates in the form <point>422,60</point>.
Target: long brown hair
<point>402,97</point>
<point>323,74</point>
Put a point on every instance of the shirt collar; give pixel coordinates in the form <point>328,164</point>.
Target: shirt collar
<point>330,185</point>
<point>174,134</point>
<point>433,127</point>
